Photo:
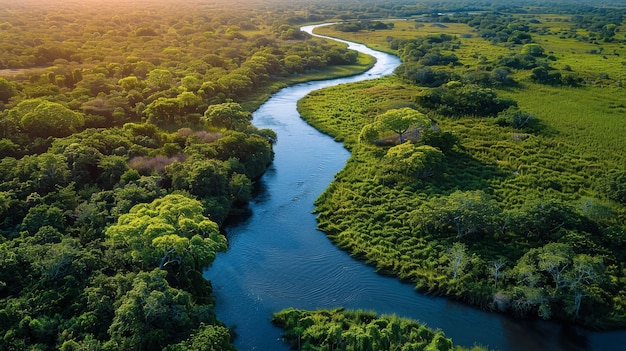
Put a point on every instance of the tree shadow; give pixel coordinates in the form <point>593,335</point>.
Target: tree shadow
<point>464,172</point>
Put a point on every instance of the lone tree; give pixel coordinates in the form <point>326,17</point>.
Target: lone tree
<point>398,121</point>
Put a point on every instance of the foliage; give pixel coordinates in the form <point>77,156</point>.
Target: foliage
<point>102,115</point>
<point>457,99</point>
<point>169,230</point>
<point>357,330</point>
<point>398,121</point>
<point>228,115</point>
<point>41,118</point>
<point>615,186</point>
<point>113,184</point>
<point>496,197</point>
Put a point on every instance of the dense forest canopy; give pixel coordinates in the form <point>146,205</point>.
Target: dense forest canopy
<point>125,144</point>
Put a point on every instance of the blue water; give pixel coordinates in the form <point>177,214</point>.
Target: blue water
<point>277,258</point>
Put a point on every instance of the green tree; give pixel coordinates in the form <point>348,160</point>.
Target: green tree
<point>586,272</point>
<point>413,161</point>
<point>50,119</point>
<point>159,79</point>
<point>7,90</point>
<point>228,115</point>
<point>206,338</point>
<point>398,121</point>
<point>152,314</point>
<point>170,229</point>
<point>462,213</point>
<point>532,49</point>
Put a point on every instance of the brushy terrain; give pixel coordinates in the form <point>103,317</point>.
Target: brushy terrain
<point>522,208</point>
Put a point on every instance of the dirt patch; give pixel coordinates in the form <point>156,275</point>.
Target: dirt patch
<point>12,72</point>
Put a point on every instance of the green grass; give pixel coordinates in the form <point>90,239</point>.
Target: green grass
<point>564,159</point>
<point>590,119</point>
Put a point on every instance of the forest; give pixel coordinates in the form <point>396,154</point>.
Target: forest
<point>126,147</point>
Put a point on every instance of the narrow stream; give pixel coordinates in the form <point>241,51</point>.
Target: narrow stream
<point>278,259</point>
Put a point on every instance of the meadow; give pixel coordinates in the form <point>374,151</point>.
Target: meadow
<point>517,209</point>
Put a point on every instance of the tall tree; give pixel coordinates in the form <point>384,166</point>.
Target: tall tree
<point>398,121</point>
<point>50,119</point>
<point>170,230</point>
<point>458,258</point>
<point>228,115</point>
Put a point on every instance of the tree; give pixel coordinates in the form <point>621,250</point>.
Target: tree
<point>42,173</point>
<point>129,83</point>
<point>202,178</point>
<point>111,169</point>
<point>398,121</point>
<point>495,270</point>
<point>456,99</point>
<point>515,118</point>
<point>458,258</point>
<point>532,49</point>
<point>293,64</point>
<point>586,271</point>
<point>43,215</point>
<point>83,162</point>
<point>170,229</point>
<point>7,90</point>
<point>235,84</point>
<point>50,119</point>
<point>252,150</point>
<point>159,79</point>
<point>152,314</point>
<point>206,338</point>
<point>555,258</point>
<point>163,111</point>
<point>228,115</point>
<point>462,213</point>
<point>413,161</point>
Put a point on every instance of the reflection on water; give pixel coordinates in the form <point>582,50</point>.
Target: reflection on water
<point>277,258</point>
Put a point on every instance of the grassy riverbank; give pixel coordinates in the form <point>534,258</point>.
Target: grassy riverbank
<point>520,218</point>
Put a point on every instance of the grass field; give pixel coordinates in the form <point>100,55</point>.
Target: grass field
<point>556,168</point>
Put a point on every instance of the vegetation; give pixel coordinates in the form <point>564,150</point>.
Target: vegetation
<point>519,207</point>
<point>125,145</point>
<point>358,330</point>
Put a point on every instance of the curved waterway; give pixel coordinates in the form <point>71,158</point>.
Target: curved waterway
<point>278,259</point>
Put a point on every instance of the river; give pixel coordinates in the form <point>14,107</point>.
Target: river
<point>278,259</point>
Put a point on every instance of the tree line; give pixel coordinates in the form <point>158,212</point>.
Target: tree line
<point>126,143</point>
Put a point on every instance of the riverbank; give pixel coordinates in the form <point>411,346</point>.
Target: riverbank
<point>252,101</point>
<point>478,202</point>
<point>278,259</point>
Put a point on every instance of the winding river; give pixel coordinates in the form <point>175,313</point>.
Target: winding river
<point>278,259</point>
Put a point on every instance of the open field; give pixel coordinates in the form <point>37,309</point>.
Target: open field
<point>562,160</point>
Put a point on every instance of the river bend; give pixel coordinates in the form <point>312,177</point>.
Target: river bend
<point>278,259</point>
